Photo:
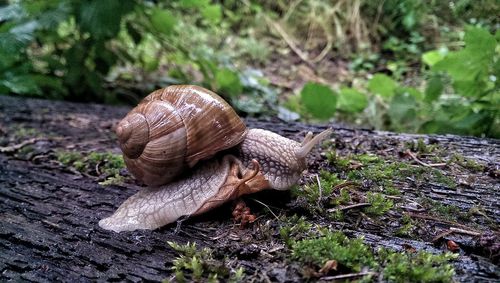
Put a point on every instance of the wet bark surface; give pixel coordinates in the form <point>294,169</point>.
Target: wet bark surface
<point>49,212</point>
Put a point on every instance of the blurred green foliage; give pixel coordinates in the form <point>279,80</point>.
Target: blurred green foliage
<point>415,65</point>
<point>460,93</point>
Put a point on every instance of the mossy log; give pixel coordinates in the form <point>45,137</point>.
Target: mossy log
<point>49,212</point>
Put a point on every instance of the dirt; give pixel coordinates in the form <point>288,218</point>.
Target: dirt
<point>49,212</point>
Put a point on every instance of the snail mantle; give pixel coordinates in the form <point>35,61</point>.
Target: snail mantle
<point>194,153</point>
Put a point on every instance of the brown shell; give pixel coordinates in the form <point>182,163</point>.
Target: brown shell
<point>174,128</point>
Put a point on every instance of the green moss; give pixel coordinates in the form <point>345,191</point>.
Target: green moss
<point>439,177</point>
<point>113,180</point>
<point>391,190</point>
<point>199,265</point>
<point>68,157</point>
<point>379,204</point>
<point>407,228</point>
<point>110,163</point>
<point>26,132</point>
<point>467,163</point>
<point>294,228</point>
<point>343,198</point>
<point>368,159</point>
<point>417,267</point>
<point>95,163</point>
<point>314,191</point>
<point>448,212</point>
<point>384,172</point>
<point>421,147</point>
<point>337,161</point>
<point>351,254</point>
<point>376,169</point>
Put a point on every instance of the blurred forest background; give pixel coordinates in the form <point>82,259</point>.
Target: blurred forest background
<point>424,66</point>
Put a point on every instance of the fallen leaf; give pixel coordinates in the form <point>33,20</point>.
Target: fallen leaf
<point>452,246</point>
<point>329,265</point>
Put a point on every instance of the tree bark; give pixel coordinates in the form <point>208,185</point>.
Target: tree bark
<point>49,212</point>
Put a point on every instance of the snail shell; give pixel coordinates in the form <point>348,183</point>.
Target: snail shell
<point>175,127</point>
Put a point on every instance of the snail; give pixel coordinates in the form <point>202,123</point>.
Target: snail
<point>193,151</point>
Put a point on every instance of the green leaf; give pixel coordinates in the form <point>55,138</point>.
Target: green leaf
<point>434,89</point>
<point>21,84</point>
<point>193,3</point>
<point>460,66</point>
<point>212,13</point>
<point>102,18</point>
<point>12,11</point>
<point>411,91</point>
<point>382,85</point>
<point>402,111</point>
<point>432,57</point>
<point>319,100</point>
<point>228,82</point>
<point>351,100</point>
<point>469,88</point>
<point>480,41</point>
<point>163,21</point>
<point>473,60</point>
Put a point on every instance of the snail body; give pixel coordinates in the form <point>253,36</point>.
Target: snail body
<point>159,139</point>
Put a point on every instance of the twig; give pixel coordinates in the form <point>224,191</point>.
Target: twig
<point>441,235</point>
<point>347,207</point>
<point>455,230</point>
<point>428,217</point>
<point>320,191</point>
<point>412,155</point>
<point>13,148</point>
<point>463,231</point>
<point>345,184</point>
<point>347,276</point>
<point>288,40</point>
<point>258,201</point>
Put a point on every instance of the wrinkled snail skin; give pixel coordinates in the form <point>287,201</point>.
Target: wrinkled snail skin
<point>214,182</point>
<point>170,141</point>
<point>211,184</point>
<point>282,160</point>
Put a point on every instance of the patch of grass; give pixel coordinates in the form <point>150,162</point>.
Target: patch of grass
<point>416,267</point>
<point>199,265</point>
<point>379,204</point>
<point>351,254</point>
